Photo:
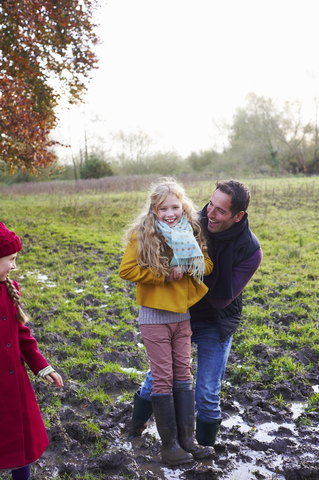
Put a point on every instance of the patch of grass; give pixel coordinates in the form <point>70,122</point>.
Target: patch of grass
<point>279,400</point>
<point>241,373</point>
<point>285,368</point>
<point>94,395</point>
<point>51,411</point>
<point>90,426</point>
<point>100,448</point>
<point>312,403</point>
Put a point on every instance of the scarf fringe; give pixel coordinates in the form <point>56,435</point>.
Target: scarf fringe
<point>194,266</point>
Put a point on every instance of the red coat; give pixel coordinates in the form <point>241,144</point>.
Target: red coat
<point>23,437</point>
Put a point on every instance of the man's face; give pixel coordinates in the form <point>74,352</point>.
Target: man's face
<point>220,216</point>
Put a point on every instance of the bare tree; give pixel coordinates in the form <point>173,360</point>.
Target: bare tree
<point>134,146</point>
<point>263,133</point>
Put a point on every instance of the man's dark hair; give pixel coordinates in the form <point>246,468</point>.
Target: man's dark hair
<point>240,195</point>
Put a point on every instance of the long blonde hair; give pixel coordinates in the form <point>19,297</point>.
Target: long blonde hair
<point>153,252</point>
<point>13,293</point>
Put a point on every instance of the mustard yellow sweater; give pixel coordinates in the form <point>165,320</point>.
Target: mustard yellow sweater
<point>154,292</point>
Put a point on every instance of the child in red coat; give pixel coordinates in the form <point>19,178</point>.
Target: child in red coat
<point>23,437</point>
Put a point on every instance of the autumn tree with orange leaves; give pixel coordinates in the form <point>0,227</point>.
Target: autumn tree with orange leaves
<point>43,44</point>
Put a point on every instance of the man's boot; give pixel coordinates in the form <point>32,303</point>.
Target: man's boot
<point>164,412</point>
<point>142,412</point>
<point>185,417</point>
<point>206,432</point>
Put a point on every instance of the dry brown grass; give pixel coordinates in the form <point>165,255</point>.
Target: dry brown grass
<point>100,185</point>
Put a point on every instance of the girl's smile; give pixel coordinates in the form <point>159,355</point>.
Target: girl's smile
<point>170,210</point>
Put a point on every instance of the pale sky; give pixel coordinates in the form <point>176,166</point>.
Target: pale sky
<point>171,67</point>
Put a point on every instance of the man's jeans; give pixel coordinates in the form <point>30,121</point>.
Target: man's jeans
<point>212,358</point>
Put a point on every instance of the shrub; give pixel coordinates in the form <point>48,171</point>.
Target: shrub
<point>95,166</point>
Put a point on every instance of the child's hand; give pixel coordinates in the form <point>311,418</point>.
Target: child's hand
<point>176,274</point>
<point>54,377</point>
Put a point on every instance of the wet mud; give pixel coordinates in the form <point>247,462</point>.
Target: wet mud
<point>265,433</point>
<point>260,438</point>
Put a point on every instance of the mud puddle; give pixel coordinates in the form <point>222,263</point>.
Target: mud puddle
<point>257,440</point>
<point>250,467</point>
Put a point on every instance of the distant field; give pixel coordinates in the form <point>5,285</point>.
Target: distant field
<point>68,276</point>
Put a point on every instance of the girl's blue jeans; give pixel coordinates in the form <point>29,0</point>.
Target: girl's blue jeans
<point>212,358</point>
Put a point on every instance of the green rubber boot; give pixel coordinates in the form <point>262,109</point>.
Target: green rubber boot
<point>185,417</point>
<point>142,412</point>
<point>206,432</point>
<point>164,411</point>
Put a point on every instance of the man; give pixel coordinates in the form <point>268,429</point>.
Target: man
<point>236,255</point>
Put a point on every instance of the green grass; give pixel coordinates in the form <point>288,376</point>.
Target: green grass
<point>76,241</point>
<point>313,403</point>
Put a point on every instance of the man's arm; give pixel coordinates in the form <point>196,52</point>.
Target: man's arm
<point>241,274</point>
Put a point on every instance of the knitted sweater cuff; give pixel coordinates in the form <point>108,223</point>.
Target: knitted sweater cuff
<point>46,371</point>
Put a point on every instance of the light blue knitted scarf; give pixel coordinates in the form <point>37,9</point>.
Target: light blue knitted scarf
<point>187,253</point>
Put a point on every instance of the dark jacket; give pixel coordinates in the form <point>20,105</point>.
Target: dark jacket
<point>244,246</point>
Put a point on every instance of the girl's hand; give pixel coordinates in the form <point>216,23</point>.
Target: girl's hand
<point>176,274</point>
<point>54,377</point>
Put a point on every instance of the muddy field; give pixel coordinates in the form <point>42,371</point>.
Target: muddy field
<point>84,318</point>
<point>260,438</point>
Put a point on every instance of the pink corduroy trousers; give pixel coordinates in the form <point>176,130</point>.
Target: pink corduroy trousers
<point>168,348</point>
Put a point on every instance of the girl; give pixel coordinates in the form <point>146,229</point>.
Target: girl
<point>164,255</point>
<point>22,433</point>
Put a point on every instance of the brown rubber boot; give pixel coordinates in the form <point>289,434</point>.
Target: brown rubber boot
<point>164,412</point>
<point>185,417</point>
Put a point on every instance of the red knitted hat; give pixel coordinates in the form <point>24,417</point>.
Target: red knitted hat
<point>9,242</point>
